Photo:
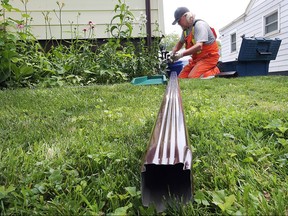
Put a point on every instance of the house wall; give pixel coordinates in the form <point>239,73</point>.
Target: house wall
<point>251,24</point>
<point>77,14</point>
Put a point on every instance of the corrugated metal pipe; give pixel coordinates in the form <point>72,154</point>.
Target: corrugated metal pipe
<point>166,169</point>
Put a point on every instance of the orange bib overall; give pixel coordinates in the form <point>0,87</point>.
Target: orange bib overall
<point>203,63</point>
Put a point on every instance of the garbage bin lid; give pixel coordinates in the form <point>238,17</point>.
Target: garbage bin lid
<point>258,49</point>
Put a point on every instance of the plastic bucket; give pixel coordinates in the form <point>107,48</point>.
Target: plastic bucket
<point>175,66</point>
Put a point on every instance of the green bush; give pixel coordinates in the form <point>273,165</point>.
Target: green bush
<point>26,64</point>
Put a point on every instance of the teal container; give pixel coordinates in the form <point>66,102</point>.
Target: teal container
<point>175,66</point>
<point>149,80</point>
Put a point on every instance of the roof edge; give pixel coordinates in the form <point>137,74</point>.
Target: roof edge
<point>234,21</point>
<point>240,17</point>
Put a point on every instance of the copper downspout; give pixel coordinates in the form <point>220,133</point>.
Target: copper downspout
<point>148,24</point>
<point>166,169</point>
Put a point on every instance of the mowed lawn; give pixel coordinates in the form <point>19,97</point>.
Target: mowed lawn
<point>79,150</point>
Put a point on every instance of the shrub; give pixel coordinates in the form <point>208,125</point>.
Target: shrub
<point>25,63</point>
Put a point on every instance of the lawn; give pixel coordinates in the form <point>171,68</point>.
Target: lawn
<point>79,150</point>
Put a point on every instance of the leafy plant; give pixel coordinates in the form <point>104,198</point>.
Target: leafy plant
<point>121,24</point>
<point>79,61</point>
<point>7,44</point>
<point>169,41</point>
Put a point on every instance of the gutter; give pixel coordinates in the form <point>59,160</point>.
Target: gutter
<point>148,23</point>
<point>166,167</point>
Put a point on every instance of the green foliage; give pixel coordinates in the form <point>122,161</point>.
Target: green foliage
<point>82,62</point>
<point>121,24</point>
<point>169,41</point>
<point>8,52</point>
<point>78,150</point>
<point>7,44</point>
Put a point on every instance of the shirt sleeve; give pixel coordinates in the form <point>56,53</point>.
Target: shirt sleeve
<point>203,33</point>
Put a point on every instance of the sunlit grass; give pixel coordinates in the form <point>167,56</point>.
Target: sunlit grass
<point>78,150</point>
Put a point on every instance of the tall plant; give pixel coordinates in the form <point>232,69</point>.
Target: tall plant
<point>7,43</point>
<point>136,59</point>
<point>121,24</point>
<point>59,16</point>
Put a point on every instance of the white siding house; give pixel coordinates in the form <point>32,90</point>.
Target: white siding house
<point>262,18</point>
<point>44,17</point>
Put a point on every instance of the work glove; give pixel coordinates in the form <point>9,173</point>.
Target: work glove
<point>176,56</point>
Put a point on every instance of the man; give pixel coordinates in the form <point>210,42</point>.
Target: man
<point>200,42</point>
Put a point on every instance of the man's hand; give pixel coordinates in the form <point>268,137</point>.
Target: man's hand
<point>176,56</point>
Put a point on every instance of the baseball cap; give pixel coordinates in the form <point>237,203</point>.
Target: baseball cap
<point>179,12</point>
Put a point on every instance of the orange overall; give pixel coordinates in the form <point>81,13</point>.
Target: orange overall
<point>203,63</point>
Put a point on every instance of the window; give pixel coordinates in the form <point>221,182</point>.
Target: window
<point>233,42</point>
<point>271,23</point>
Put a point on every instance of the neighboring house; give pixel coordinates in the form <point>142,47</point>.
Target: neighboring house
<point>262,18</point>
<point>85,18</point>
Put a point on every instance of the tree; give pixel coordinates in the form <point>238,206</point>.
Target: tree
<point>169,41</point>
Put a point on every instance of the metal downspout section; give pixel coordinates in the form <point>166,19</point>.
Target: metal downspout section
<point>166,168</point>
<point>148,24</point>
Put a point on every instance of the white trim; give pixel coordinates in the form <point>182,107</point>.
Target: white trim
<point>271,11</point>
<point>241,17</point>
<point>230,41</point>
<point>234,21</point>
<point>160,16</point>
<point>249,6</point>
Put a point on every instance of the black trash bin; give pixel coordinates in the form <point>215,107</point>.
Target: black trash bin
<point>254,57</point>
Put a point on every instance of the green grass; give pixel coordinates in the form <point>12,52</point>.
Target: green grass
<point>78,150</point>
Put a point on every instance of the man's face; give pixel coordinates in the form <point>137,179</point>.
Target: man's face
<point>183,22</point>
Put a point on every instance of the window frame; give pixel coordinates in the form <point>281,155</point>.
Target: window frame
<point>265,25</point>
<point>233,44</point>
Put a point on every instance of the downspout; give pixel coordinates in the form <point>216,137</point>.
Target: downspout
<point>166,172</point>
<point>148,24</point>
